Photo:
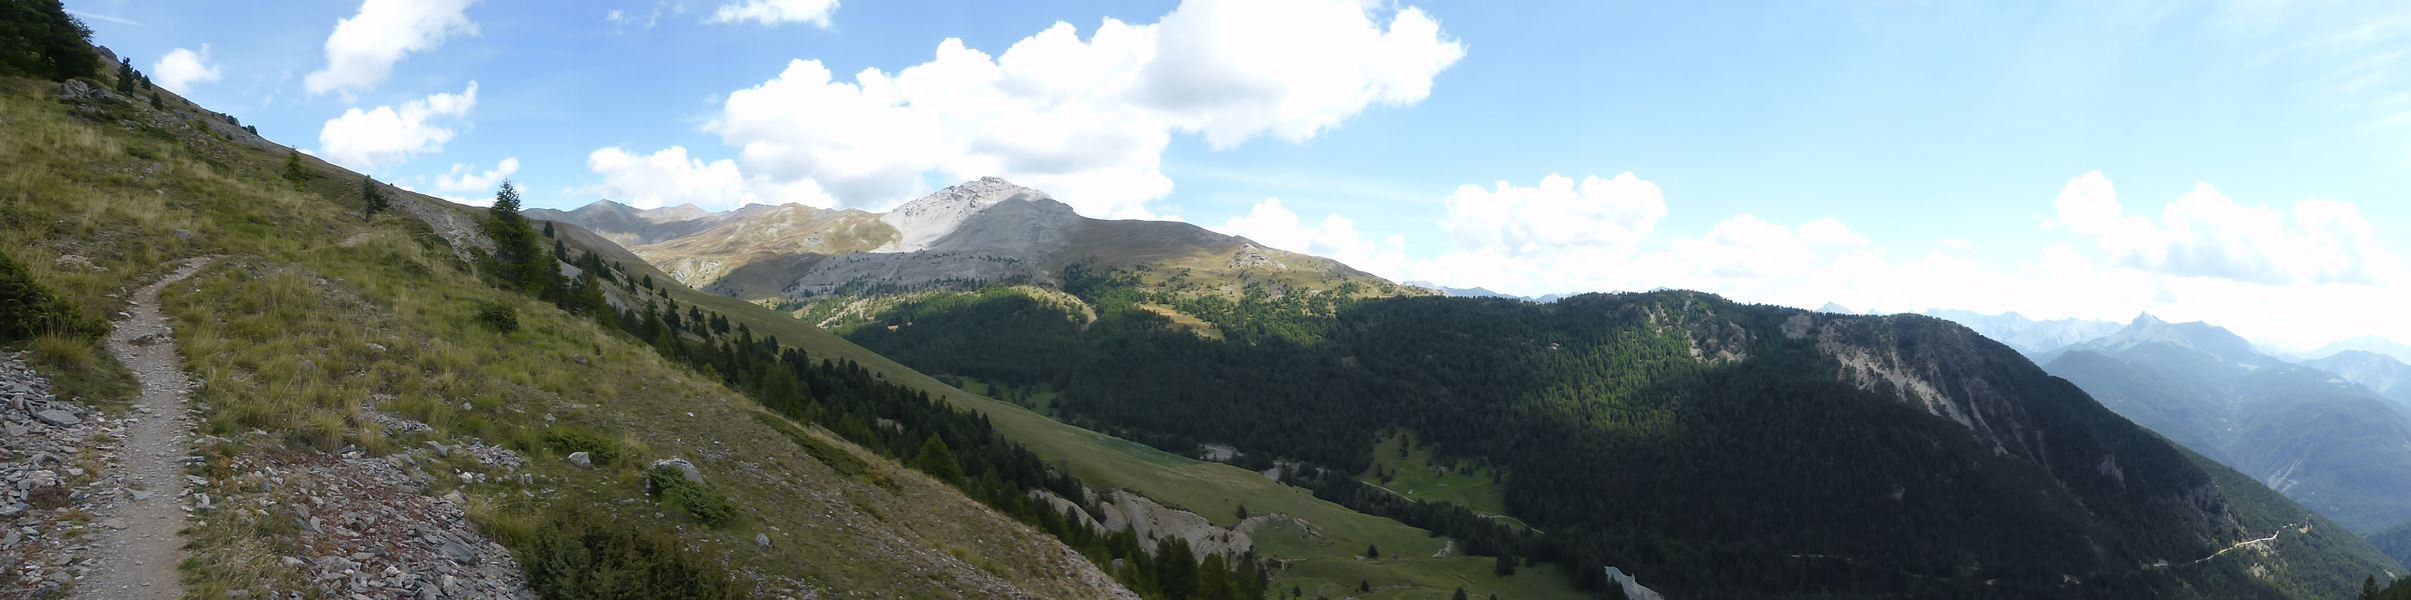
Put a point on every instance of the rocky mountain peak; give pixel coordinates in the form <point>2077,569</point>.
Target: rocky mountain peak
<point>923,222</point>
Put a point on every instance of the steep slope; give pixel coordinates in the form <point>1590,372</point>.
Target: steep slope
<point>2028,336</point>
<point>2380,373</point>
<point>339,352</point>
<point>1713,449</point>
<point>2329,444</point>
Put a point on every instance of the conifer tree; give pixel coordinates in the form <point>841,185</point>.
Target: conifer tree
<point>39,38</point>
<point>155,103</point>
<point>125,77</point>
<point>293,170</point>
<point>518,257</point>
<point>372,199</point>
<point>937,460</point>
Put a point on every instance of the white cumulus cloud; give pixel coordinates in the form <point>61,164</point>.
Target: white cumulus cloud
<point>2206,234</point>
<point>182,68</point>
<point>465,179</point>
<point>364,47</point>
<point>670,177</point>
<point>1554,215</point>
<point>1336,237</point>
<point>384,135</point>
<point>2298,276</point>
<point>1086,119</point>
<point>775,12</point>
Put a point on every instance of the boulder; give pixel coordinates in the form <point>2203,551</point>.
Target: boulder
<point>581,459</point>
<point>684,468</point>
<point>58,418</point>
<point>78,90</point>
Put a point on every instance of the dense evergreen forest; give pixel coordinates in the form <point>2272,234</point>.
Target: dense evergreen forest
<point>1671,434</point>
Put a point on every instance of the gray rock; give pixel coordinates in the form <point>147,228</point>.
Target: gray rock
<point>686,469</point>
<point>76,90</point>
<point>761,539</point>
<point>58,417</point>
<point>458,552</point>
<point>581,459</point>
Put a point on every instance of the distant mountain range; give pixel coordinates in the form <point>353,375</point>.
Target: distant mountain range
<point>2380,373</point>
<point>1478,292</point>
<point>2371,344</point>
<point>2332,444</point>
<point>2028,336</point>
<point>978,233</point>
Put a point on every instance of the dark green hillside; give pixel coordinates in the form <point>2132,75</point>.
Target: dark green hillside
<point>1713,449</point>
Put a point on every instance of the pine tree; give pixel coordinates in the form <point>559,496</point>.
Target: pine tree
<point>937,460</point>
<point>372,199</point>
<point>1504,566</point>
<point>125,77</point>
<point>1372,552</point>
<point>1214,580</point>
<point>1460,595</point>
<point>39,38</point>
<point>293,170</point>
<point>2369,588</point>
<point>1242,512</point>
<point>155,103</point>
<point>1364,586</point>
<point>519,260</point>
<point>548,229</point>
<point>1175,568</point>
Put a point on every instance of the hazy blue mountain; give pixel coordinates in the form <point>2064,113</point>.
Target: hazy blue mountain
<point>2380,373</point>
<point>2373,344</point>
<point>2331,444</point>
<point>2028,336</point>
<point>1454,292</point>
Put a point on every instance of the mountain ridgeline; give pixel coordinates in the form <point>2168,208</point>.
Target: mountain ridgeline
<point>1719,449</point>
<point>1714,449</point>
<point>977,233</point>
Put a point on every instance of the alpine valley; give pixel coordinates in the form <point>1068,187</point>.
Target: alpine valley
<point>237,366</point>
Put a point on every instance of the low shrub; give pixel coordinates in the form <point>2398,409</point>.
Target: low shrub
<point>578,554</point>
<point>698,500</point>
<point>500,316</point>
<point>27,310</point>
<point>599,448</point>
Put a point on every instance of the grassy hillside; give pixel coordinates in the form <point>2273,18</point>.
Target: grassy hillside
<point>314,315</point>
<point>1323,562</point>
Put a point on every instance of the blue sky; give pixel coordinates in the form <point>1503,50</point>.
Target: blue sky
<point>2043,157</point>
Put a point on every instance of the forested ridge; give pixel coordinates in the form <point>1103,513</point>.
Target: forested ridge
<point>1671,434</point>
